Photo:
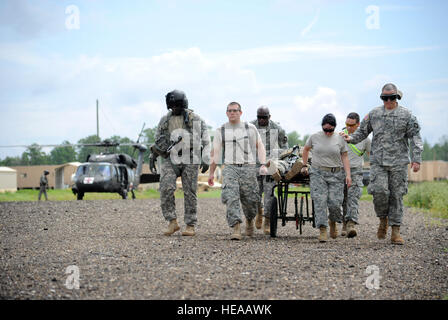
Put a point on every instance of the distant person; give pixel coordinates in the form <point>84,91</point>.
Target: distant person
<point>235,145</point>
<point>275,141</point>
<point>354,193</point>
<point>43,184</point>
<point>329,168</point>
<point>394,127</point>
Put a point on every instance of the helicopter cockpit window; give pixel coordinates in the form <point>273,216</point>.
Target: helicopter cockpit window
<point>94,169</point>
<point>81,171</point>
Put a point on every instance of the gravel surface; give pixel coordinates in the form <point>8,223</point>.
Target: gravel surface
<point>121,253</point>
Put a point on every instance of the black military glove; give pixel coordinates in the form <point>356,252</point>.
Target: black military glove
<point>204,167</point>
<point>152,163</point>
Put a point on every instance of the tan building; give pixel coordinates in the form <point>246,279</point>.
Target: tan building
<point>63,175</point>
<point>8,179</point>
<point>429,171</point>
<point>28,177</point>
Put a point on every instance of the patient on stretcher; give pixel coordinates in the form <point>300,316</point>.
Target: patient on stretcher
<point>288,165</point>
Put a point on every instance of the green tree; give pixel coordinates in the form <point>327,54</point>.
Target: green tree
<point>122,149</point>
<point>427,151</point>
<point>150,135</point>
<point>294,138</point>
<point>11,161</point>
<point>63,154</point>
<point>84,151</point>
<point>34,155</point>
<point>441,149</point>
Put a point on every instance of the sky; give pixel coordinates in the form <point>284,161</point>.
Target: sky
<point>302,59</point>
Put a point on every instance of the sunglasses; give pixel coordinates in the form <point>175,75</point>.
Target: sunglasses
<point>233,110</point>
<point>387,98</point>
<point>263,117</point>
<point>350,125</point>
<point>328,130</point>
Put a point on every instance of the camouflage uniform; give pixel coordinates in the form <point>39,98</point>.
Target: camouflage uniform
<point>353,194</point>
<point>240,183</point>
<point>327,177</point>
<point>273,132</point>
<point>187,168</point>
<point>389,157</point>
<point>43,183</point>
<point>240,172</point>
<point>326,189</point>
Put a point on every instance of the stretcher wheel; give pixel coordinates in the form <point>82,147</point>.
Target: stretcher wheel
<point>274,218</point>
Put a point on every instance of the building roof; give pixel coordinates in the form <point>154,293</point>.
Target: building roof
<point>73,164</point>
<point>6,169</point>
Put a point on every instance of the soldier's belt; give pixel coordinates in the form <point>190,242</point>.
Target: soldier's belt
<point>240,164</point>
<point>329,169</point>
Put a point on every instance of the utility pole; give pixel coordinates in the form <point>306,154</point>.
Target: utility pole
<point>97,121</point>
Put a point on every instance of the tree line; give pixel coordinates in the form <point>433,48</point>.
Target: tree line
<point>34,155</point>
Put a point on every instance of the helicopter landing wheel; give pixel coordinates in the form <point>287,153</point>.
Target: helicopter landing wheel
<point>79,195</point>
<point>124,194</point>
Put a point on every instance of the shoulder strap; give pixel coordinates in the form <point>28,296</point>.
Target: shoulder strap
<point>353,147</point>
<point>223,143</point>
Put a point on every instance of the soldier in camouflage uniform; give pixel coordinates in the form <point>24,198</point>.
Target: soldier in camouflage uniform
<point>353,194</point>
<point>393,127</point>
<point>327,175</point>
<point>43,185</point>
<point>236,145</point>
<point>184,160</point>
<point>275,141</point>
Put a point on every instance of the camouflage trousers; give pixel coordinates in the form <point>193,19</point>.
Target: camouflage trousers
<point>44,191</point>
<point>240,184</point>
<point>327,191</point>
<point>352,195</point>
<point>189,176</point>
<point>265,185</point>
<point>388,185</point>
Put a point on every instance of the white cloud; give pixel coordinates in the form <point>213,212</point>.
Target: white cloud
<point>51,99</point>
<point>308,28</point>
<point>305,112</point>
<point>430,110</point>
<point>315,50</point>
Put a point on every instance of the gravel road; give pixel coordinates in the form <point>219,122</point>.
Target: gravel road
<point>120,252</point>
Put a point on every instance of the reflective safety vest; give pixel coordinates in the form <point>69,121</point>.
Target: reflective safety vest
<point>353,147</point>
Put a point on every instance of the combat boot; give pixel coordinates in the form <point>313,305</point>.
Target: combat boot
<point>382,229</point>
<point>295,170</point>
<point>236,235</point>
<point>259,218</point>
<point>396,238</point>
<point>189,231</point>
<point>351,232</point>
<point>333,229</point>
<point>172,227</point>
<point>344,229</point>
<point>249,227</point>
<point>323,237</point>
<point>267,225</point>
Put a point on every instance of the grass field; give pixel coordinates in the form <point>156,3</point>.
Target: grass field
<point>429,196</point>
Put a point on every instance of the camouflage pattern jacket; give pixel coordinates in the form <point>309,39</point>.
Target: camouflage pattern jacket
<point>272,132</point>
<point>43,182</point>
<point>392,132</point>
<point>198,135</point>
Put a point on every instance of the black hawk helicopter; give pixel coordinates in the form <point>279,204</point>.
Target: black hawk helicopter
<point>109,172</point>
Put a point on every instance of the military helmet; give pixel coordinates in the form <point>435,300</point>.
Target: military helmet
<point>46,172</point>
<point>176,98</point>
